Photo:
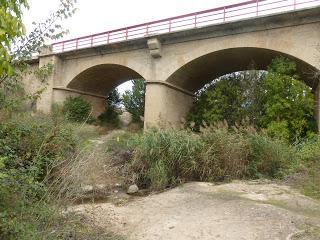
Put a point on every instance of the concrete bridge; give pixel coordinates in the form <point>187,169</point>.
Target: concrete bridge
<point>177,56</point>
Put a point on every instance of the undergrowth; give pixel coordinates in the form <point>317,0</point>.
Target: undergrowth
<point>32,150</point>
<point>167,157</point>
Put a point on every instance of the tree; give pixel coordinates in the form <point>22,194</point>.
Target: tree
<point>19,48</point>
<point>134,100</point>
<point>11,27</point>
<point>114,99</point>
<point>289,103</point>
<point>276,100</point>
<point>233,97</point>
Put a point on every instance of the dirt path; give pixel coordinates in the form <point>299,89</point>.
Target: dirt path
<point>234,211</point>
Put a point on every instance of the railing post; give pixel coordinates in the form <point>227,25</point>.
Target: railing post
<point>257,8</point>
<point>294,4</point>
<point>77,44</point>
<point>169,26</point>
<point>147,30</point>
<point>62,46</point>
<point>224,14</point>
<point>195,20</point>
<point>127,34</point>
<point>108,37</point>
<point>91,41</point>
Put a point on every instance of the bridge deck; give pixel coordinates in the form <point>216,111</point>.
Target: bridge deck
<point>229,13</point>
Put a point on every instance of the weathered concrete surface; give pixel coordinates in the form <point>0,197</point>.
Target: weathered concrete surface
<point>98,102</point>
<point>235,211</point>
<point>161,106</point>
<point>187,60</point>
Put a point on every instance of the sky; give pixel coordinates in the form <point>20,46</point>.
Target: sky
<point>94,16</point>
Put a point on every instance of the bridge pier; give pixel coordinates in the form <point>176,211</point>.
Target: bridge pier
<point>165,105</point>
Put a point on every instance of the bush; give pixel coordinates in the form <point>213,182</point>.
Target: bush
<point>164,158</point>
<point>29,147</point>
<point>308,153</point>
<point>110,117</point>
<point>224,155</point>
<point>76,109</point>
<point>269,158</point>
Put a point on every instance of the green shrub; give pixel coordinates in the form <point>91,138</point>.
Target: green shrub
<point>268,158</point>
<point>277,100</point>
<point>224,155</point>
<point>308,153</point>
<point>163,158</point>
<point>29,147</point>
<point>76,109</point>
<point>110,117</point>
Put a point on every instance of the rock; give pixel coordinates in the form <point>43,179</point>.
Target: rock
<point>133,189</point>
<point>125,118</point>
<point>87,188</point>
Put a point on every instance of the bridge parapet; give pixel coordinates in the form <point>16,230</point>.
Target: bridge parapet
<point>229,13</point>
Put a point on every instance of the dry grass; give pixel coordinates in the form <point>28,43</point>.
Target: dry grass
<point>90,174</point>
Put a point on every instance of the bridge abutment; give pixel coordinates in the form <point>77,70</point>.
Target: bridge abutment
<point>165,105</point>
<point>44,103</point>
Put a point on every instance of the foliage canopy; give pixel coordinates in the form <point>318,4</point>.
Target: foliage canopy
<point>134,100</point>
<point>276,100</point>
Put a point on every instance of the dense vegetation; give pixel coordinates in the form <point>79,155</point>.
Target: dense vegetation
<point>165,158</point>
<point>276,100</point>
<point>33,146</point>
<point>76,109</point>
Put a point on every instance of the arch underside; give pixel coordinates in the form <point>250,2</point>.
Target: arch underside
<point>102,79</point>
<point>195,74</point>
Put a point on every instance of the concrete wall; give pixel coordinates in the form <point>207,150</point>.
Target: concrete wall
<point>165,106</point>
<point>98,103</point>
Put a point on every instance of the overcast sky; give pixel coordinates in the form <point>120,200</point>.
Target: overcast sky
<point>95,16</point>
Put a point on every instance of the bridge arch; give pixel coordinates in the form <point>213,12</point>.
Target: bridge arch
<point>95,83</point>
<point>102,78</point>
<point>194,74</point>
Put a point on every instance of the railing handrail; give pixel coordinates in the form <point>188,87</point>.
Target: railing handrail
<point>170,21</point>
<point>162,20</point>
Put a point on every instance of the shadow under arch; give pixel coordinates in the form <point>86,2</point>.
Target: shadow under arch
<point>195,74</point>
<point>102,79</point>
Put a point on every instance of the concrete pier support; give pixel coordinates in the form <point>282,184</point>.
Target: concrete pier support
<point>165,105</point>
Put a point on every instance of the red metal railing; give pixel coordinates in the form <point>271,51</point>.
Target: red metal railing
<point>218,15</point>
